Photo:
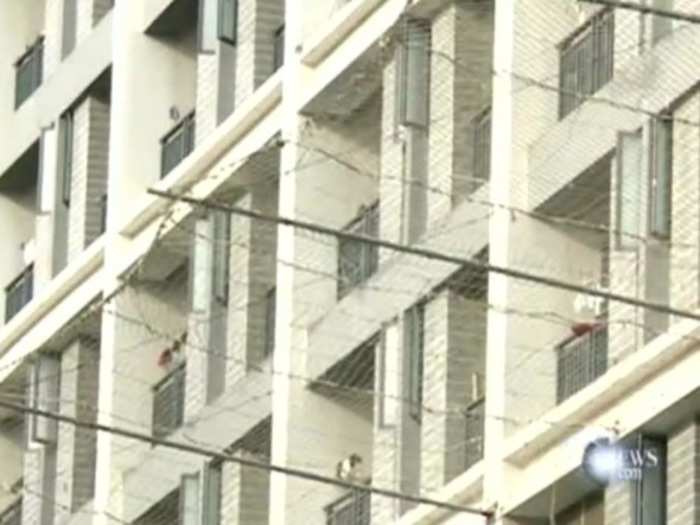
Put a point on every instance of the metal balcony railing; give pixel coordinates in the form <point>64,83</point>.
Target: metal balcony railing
<point>580,360</point>
<point>481,167</point>
<point>169,402</point>
<point>19,292</point>
<point>177,144</point>
<point>357,261</point>
<point>29,72</point>
<point>12,515</point>
<point>351,509</point>
<point>474,435</point>
<point>278,49</point>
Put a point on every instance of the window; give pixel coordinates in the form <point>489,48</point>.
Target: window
<point>270,300</point>
<point>414,319</point>
<point>227,24</point>
<point>413,74</point>
<point>103,213</point>
<point>649,492</point>
<point>211,514</point>
<point>19,292</point>
<point>629,188</point>
<point>586,61</point>
<point>189,500</point>
<point>481,166</point>
<point>177,144</point>
<point>66,156</point>
<point>222,251</point>
<point>70,26</point>
<point>28,72</point>
<point>278,49</point>
<point>357,260</point>
<point>661,172</point>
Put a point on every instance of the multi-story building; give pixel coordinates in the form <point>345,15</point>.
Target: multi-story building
<point>552,138</point>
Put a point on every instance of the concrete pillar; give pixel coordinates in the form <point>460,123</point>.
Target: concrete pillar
<point>77,446</point>
<point>455,331</point>
<point>685,250</point>
<point>618,503</point>
<point>391,164</point>
<point>89,174</point>
<point>683,499</point>
<point>215,88</point>
<point>462,43</point>
<point>48,165</point>
<point>252,276</point>
<point>257,22</point>
<point>245,493</point>
<point>53,26</point>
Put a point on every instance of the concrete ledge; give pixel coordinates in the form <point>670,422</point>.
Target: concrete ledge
<point>211,154</point>
<point>77,285</point>
<point>249,400</point>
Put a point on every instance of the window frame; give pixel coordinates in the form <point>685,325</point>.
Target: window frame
<point>67,150</point>
<point>414,341</point>
<point>660,227</point>
<point>221,227</point>
<point>197,512</point>
<point>224,34</point>
<point>410,84</point>
<point>184,131</point>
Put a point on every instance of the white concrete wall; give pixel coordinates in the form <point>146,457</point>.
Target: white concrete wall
<point>12,445</point>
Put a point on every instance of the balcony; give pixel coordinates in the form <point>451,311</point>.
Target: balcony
<point>352,509</point>
<point>580,360</point>
<point>474,435</point>
<point>12,515</point>
<point>169,402</point>
<point>19,292</point>
<point>481,167</point>
<point>177,144</point>
<point>278,49</point>
<point>357,261</point>
<point>29,72</point>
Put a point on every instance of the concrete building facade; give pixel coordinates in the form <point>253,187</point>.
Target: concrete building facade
<point>555,138</point>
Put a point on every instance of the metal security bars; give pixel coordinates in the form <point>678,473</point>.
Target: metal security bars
<point>351,509</point>
<point>278,49</point>
<point>586,61</point>
<point>19,292</point>
<point>474,433</point>
<point>169,402</point>
<point>103,213</point>
<point>357,261</point>
<point>580,360</point>
<point>29,72</point>
<point>481,161</point>
<point>177,144</point>
<point>270,300</point>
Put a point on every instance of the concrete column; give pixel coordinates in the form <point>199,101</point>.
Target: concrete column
<point>89,175</point>
<point>53,27</point>
<point>48,164</point>
<point>462,43</point>
<point>257,22</point>
<point>455,334</point>
<point>31,496</point>
<point>252,275</point>
<point>245,493</point>
<point>77,446</point>
<point>391,164</point>
<point>685,249</point>
<point>215,88</point>
<point>683,498</point>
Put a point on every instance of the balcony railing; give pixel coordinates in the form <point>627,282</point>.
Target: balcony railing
<point>351,509</point>
<point>103,213</point>
<point>29,72</point>
<point>19,292</point>
<point>474,435</point>
<point>12,515</point>
<point>580,360</point>
<point>481,167</point>
<point>169,402</point>
<point>357,261</point>
<point>278,49</point>
<point>177,144</point>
